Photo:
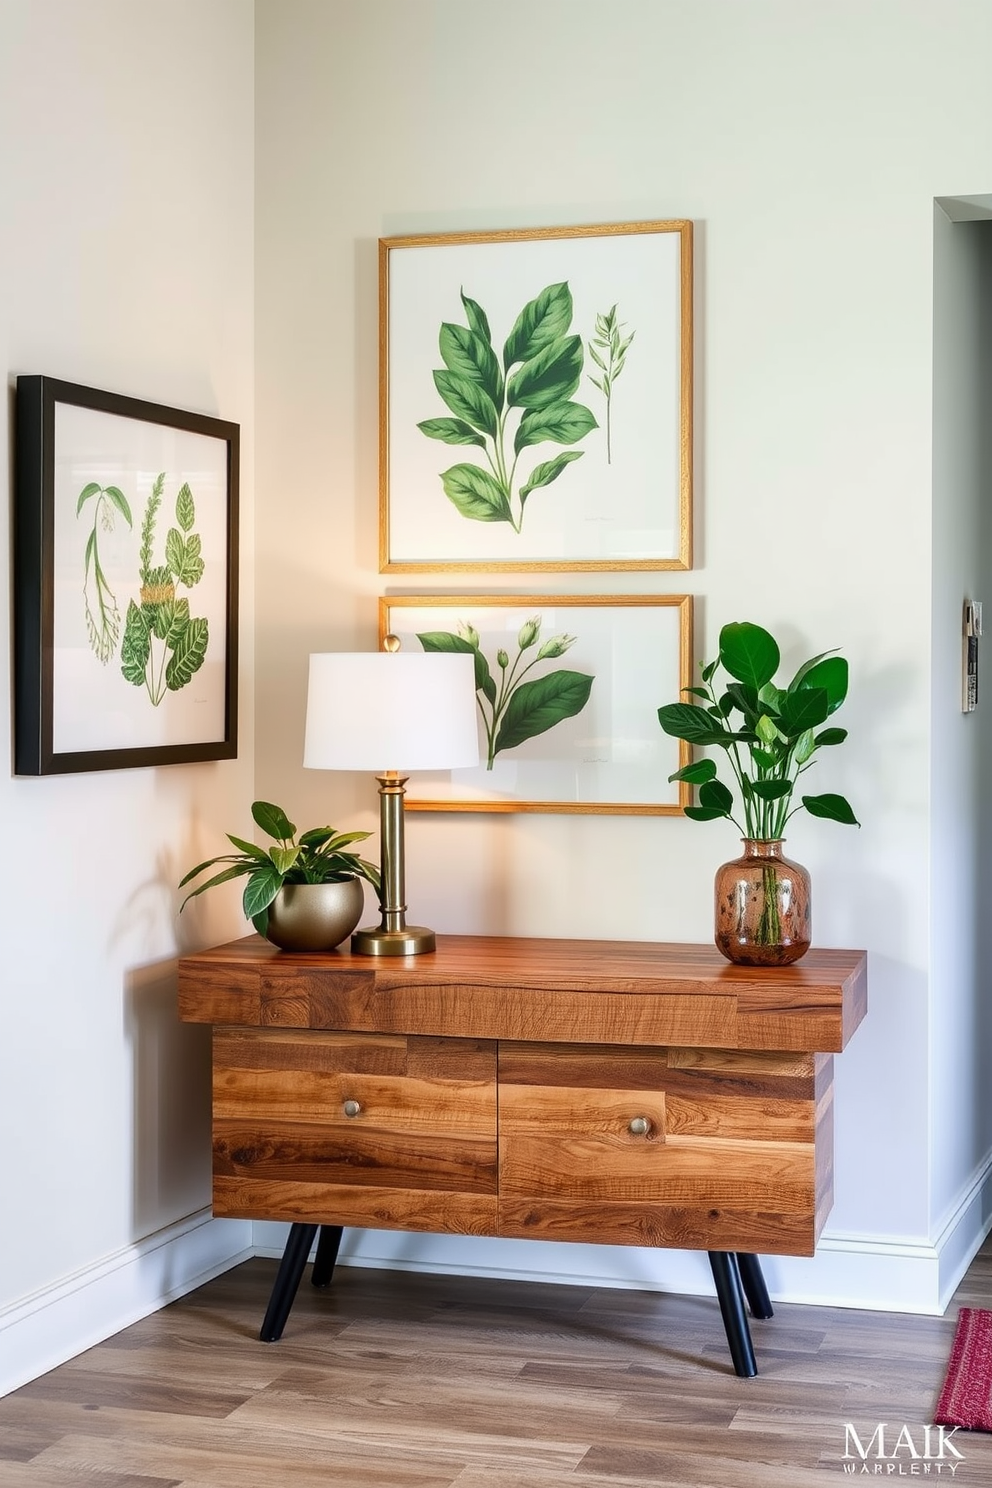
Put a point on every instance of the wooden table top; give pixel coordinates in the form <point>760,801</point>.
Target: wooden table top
<point>507,987</point>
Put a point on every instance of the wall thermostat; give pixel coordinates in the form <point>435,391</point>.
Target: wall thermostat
<point>972,631</point>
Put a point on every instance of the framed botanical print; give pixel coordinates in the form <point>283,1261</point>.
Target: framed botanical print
<point>568,689</point>
<point>125,583</point>
<point>536,399</point>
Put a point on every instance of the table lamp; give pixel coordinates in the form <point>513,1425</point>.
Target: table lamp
<point>391,712</point>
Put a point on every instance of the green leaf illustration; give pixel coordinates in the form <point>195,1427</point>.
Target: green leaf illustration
<point>188,656</point>
<point>175,551</point>
<point>103,621</point>
<point>551,376</point>
<point>539,704</point>
<point>543,475</point>
<point>88,490</point>
<point>542,321</point>
<point>159,617</point>
<point>451,431</point>
<point>534,406</point>
<point>470,356</point>
<point>608,350</point>
<point>148,526</point>
<point>564,423</point>
<point>476,494</point>
<point>447,641</point>
<point>468,400</point>
<point>176,613</point>
<point>476,317</point>
<point>185,509</point>
<point>135,646</point>
<point>193,565</point>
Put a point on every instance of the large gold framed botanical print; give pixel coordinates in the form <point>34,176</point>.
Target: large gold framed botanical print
<point>536,399</point>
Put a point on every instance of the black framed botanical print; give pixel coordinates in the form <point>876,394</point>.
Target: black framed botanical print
<point>125,582</point>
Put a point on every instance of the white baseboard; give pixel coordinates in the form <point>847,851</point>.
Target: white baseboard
<point>887,1274</point>
<point>968,1222</point>
<point>80,1310</point>
<point>880,1274</point>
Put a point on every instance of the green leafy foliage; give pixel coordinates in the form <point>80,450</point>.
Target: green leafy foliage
<point>536,706</point>
<point>507,406</point>
<point>136,646</point>
<point>772,742</point>
<point>319,855</point>
<point>188,653</point>
<point>514,710</point>
<point>164,645</point>
<point>103,620</point>
<point>148,527</point>
<point>608,352</point>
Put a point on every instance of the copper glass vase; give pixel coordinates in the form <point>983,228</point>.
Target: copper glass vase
<point>762,907</point>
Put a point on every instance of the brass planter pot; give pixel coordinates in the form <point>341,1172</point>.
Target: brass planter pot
<point>315,917</point>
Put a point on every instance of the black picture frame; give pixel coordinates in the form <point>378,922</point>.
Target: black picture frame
<point>78,645</point>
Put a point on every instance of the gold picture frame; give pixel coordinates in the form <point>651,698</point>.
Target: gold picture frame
<point>535,400</point>
<point>604,663</point>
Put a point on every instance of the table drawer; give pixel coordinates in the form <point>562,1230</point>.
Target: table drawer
<point>369,1129</point>
<point>663,1146</point>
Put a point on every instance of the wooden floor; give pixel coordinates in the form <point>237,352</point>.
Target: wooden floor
<point>410,1381</point>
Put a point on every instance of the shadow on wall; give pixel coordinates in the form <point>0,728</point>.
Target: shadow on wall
<point>171,1157</point>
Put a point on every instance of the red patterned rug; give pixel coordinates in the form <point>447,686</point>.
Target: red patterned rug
<point>966,1396</point>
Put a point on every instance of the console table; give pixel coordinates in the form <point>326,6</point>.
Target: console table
<point>620,1092</point>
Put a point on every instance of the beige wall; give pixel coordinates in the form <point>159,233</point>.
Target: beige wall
<point>807,142</point>
<point>126,201</point>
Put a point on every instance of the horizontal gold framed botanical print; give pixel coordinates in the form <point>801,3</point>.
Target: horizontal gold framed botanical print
<point>568,690</point>
<point>535,399</point>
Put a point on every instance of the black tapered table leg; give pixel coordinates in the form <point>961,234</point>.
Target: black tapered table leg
<point>328,1242</point>
<point>287,1281</point>
<point>754,1286</point>
<point>727,1276</point>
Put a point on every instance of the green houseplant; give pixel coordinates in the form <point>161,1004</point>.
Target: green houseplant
<point>277,897</point>
<point>769,736</point>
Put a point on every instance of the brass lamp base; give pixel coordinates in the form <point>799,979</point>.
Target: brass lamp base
<point>377,941</point>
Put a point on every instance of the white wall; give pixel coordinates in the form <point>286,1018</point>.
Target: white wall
<point>808,142</point>
<point>961,847</point>
<point>126,202</point>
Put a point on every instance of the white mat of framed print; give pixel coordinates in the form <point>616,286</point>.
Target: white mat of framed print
<point>536,399</point>
<point>126,583</point>
<point>568,691</point>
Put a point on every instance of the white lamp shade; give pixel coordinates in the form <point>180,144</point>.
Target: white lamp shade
<point>381,710</point>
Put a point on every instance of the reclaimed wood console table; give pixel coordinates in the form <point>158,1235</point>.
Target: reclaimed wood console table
<point>626,1093</point>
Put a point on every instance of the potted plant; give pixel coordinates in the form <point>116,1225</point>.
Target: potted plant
<point>302,894</point>
<point>769,737</point>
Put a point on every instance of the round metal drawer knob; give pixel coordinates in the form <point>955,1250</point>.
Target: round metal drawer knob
<point>352,1108</point>
<point>639,1127</point>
